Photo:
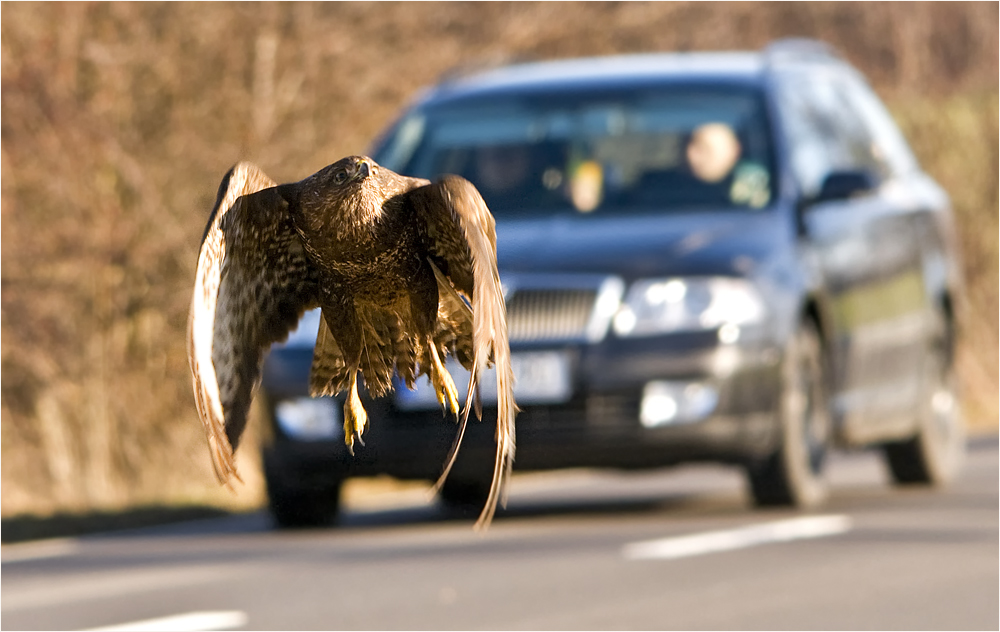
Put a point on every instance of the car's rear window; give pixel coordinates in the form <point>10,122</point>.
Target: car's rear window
<point>597,153</point>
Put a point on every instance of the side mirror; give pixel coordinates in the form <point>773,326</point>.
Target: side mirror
<point>840,185</point>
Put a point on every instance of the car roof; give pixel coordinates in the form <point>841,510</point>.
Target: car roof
<point>622,71</point>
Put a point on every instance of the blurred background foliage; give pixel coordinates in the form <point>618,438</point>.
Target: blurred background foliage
<point>119,120</point>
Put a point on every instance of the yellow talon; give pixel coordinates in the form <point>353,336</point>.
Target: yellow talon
<point>444,385</point>
<point>447,393</point>
<point>355,417</point>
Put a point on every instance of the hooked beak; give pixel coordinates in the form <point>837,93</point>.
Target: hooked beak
<point>364,170</point>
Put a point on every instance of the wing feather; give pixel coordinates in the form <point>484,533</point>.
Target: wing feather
<point>462,242</point>
<point>454,320</point>
<point>253,283</point>
<point>329,374</point>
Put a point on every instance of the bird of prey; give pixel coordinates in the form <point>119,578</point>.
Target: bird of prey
<point>403,269</point>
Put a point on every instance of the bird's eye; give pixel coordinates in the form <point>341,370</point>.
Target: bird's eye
<point>340,177</point>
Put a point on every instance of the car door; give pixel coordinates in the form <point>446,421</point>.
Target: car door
<point>866,251</point>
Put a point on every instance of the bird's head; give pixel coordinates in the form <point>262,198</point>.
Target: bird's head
<point>354,179</point>
<point>348,174</point>
<point>352,187</point>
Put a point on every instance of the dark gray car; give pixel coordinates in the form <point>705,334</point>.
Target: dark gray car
<point>724,257</point>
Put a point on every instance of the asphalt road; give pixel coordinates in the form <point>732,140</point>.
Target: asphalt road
<point>582,550</point>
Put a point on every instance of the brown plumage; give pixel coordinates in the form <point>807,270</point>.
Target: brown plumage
<point>403,269</point>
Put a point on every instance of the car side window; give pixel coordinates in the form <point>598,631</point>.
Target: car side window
<point>888,145</point>
<point>814,147</point>
<point>825,131</point>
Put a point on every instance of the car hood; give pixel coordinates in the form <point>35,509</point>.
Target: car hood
<point>730,243</point>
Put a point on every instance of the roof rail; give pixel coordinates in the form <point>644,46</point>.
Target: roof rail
<point>799,48</point>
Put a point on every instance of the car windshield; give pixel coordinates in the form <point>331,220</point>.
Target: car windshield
<point>672,148</point>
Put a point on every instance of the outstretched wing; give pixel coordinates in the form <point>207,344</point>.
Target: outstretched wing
<point>253,284</point>
<point>461,235</point>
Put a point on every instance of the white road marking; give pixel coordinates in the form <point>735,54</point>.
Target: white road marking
<point>741,538</point>
<point>189,622</point>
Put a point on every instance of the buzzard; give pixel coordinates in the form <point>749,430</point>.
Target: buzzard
<point>403,269</point>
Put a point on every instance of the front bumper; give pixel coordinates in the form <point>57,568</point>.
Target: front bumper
<point>598,426</point>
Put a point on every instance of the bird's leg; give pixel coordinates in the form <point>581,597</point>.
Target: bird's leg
<point>355,417</point>
<point>340,315</point>
<point>444,385</point>
<point>424,307</point>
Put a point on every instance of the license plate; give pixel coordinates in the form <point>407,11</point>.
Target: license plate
<point>540,377</point>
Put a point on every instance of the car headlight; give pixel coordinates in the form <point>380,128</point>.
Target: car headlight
<point>308,419</point>
<point>657,306</point>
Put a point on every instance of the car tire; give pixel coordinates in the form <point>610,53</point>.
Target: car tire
<point>793,474</point>
<point>300,506</point>
<point>933,456</point>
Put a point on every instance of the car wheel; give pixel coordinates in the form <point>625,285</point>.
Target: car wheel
<point>465,494</point>
<point>300,505</point>
<point>793,474</point>
<point>935,453</point>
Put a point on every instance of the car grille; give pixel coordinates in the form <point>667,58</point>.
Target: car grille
<point>597,414</point>
<point>549,314</point>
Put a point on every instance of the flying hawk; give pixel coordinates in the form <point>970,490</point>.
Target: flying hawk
<point>404,270</point>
